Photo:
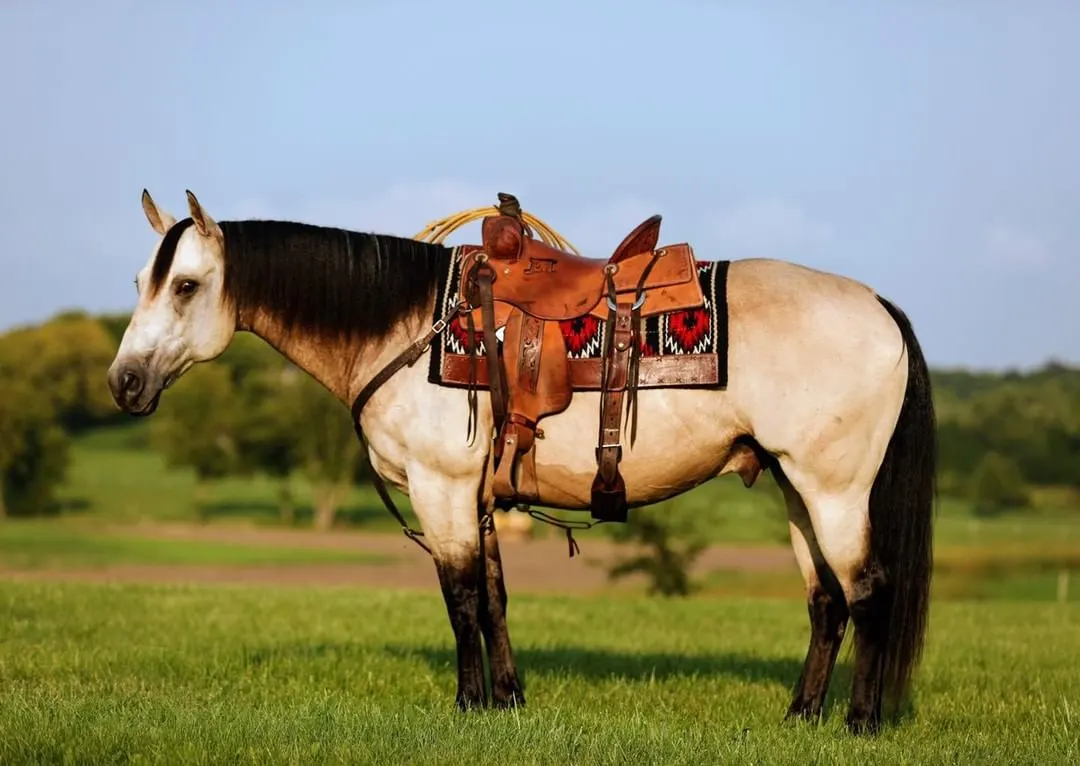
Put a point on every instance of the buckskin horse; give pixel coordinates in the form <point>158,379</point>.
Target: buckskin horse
<point>828,389</point>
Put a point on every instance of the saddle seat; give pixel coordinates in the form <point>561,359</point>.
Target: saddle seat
<point>527,287</point>
<point>555,285</point>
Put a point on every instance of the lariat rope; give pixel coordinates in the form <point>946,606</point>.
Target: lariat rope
<point>437,231</point>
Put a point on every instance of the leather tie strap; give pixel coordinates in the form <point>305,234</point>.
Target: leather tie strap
<point>634,373</point>
<point>406,358</point>
<point>608,489</point>
<point>485,276</point>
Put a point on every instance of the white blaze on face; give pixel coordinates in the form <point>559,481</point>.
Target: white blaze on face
<point>180,321</point>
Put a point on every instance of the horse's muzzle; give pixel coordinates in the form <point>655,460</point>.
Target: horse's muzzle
<point>135,388</point>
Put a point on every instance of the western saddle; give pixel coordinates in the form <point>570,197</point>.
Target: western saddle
<point>516,282</point>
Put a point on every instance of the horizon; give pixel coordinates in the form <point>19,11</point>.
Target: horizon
<point>928,153</point>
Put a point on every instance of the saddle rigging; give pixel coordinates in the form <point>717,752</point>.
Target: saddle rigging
<point>526,287</point>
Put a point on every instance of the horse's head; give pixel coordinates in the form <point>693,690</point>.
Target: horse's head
<point>182,316</point>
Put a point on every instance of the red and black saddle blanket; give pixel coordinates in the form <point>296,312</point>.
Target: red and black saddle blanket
<point>678,349</point>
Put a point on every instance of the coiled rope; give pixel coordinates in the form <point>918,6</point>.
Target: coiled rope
<point>437,231</point>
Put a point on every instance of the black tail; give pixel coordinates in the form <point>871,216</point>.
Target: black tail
<point>902,515</point>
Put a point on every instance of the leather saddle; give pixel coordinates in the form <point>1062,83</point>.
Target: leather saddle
<point>516,282</point>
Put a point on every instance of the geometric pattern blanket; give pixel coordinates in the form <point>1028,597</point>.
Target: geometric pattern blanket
<point>678,349</point>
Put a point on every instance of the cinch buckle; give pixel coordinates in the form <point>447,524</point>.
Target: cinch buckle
<point>440,325</point>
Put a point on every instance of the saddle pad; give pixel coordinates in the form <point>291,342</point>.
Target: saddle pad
<point>679,349</point>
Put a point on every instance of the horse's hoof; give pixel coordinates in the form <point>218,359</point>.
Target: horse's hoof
<point>512,699</point>
<point>465,704</point>
<point>862,726</point>
<point>803,712</point>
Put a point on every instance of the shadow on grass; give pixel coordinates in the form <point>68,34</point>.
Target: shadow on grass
<point>597,664</point>
<point>593,664</point>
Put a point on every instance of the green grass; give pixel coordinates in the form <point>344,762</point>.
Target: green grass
<point>109,674</point>
<point>48,545</point>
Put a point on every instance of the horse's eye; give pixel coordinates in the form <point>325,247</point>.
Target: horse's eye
<point>186,288</point>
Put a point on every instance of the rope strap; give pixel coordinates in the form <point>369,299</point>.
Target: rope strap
<point>568,526</point>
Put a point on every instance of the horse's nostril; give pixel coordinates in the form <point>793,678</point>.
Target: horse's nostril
<point>130,383</point>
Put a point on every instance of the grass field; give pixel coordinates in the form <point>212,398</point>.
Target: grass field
<point>99,674</point>
<point>212,673</point>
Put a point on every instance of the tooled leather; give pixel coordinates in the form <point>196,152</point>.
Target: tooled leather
<point>544,285</point>
<point>567,286</point>
<point>641,240</point>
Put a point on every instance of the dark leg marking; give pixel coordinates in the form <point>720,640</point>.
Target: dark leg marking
<point>461,590</point>
<point>827,608</point>
<point>506,690</point>
<point>828,621</point>
<point>871,605</point>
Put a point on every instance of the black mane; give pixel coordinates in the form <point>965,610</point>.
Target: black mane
<point>326,281</point>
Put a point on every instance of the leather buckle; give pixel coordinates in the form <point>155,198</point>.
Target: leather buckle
<point>617,446</point>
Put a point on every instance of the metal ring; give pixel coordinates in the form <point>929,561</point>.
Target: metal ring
<point>637,304</point>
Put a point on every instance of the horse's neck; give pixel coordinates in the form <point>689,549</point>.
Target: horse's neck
<point>342,367</point>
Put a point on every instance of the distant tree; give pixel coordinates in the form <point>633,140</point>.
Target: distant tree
<point>249,355</point>
<point>268,431</point>
<point>196,427</point>
<point>65,360</point>
<point>33,450</point>
<point>1032,419</point>
<point>328,448</point>
<point>998,485</point>
<point>668,544</point>
<point>115,325</point>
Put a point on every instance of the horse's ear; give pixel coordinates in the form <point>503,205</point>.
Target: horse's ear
<point>205,225</point>
<point>158,218</point>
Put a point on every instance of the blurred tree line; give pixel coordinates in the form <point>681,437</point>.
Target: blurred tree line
<point>1001,434</point>
<point>249,412</point>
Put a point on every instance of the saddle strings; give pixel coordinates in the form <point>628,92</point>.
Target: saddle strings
<point>635,351</point>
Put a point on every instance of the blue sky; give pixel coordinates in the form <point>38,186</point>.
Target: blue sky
<point>928,149</point>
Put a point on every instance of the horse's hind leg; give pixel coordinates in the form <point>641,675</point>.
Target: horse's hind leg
<point>506,688</point>
<point>841,527</point>
<point>825,603</point>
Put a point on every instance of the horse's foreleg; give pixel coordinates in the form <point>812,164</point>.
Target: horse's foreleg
<point>447,510</point>
<point>459,576</point>
<point>506,688</point>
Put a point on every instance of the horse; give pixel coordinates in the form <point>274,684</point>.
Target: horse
<point>828,387</point>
